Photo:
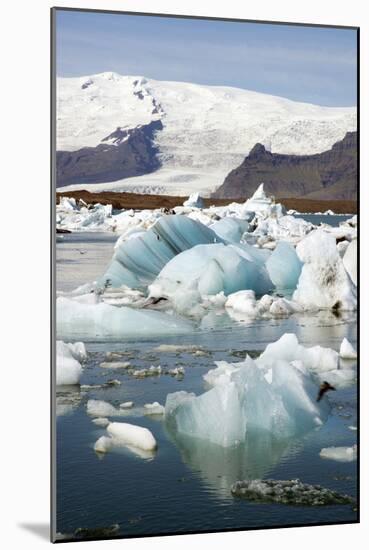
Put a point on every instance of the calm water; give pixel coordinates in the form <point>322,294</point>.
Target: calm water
<point>186,485</point>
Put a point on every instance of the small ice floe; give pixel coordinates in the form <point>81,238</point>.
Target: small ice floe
<point>98,408</point>
<point>68,362</point>
<point>340,454</point>
<point>126,405</point>
<point>292,492</point>
<point>121,434</point>
<point>101,421</point>
<point>177,371</point>
<point>347,350</point>
<point>151,371</point>
<point>113,382</point>
<point>353,428</point>
<point>102,322</point>
<point>115,365</point>
<point>154,409</point>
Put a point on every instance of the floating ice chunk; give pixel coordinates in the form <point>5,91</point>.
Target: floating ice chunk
<point>68,367</point>
<point>242,301</point>
<point>132,436</point>
<point>230,229</point>
<point>284,227</point>
<point>211,269</point>
<point>151,371</point>
<point>138,261</point>
<point>243,401</point>
<point>102,322</point>
<point>324,282</point>
<point>194,201</point>
<point>177,371</point>
<point>101,421</point>
<point>262,204</point>
<point>126,405</point>
<point>98,408</point>
<point>292,492</point>
<point>103,444</point>
<point>284,266</point>
<point>340,454</point>
<point>154,408</point>
<point>347,350</point>
<point>350,261</point>
<point>115,365</point>
<point>287,348</point>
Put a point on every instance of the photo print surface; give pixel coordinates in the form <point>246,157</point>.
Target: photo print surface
<point>205,187</point>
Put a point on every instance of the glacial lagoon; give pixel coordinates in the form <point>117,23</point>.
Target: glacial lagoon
<point>185,485</point>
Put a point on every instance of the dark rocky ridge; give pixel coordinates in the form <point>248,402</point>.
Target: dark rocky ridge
<point>129,153</point>
<point>328,175</point>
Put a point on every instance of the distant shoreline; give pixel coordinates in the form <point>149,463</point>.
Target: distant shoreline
<point>137,201</point>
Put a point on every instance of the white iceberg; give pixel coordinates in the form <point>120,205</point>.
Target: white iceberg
<point>262,204</point>
<point>324,282</point>
<point>347,350</point>
<point>103,322</point>
<point>98,408</point>
<point>340,454</point>
<point>287,348</point>
<point>68,362</point>
<point>154,409</point>
<point>194,201</point>
<point>126,435</point>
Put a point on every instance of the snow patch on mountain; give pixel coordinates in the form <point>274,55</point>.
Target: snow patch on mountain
<point>207,130</point>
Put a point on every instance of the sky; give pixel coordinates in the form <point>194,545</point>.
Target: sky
<point>310,64</point>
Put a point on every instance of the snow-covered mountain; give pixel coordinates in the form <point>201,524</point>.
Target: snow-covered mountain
<point>143,135</point>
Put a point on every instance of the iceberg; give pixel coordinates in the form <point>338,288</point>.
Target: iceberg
<point>121,434</point>
<point>248,398</point>
<point>263,205</point>
<point>209,270</point>
<point>284,227</point>
<point>284,266</point>
<point>68,362</point>
<point>347,350</point>
<point>194,201</point>
<point>138,261</point>
<point>102,322</point>
<point>340,454</point>
<point>324,282</point>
